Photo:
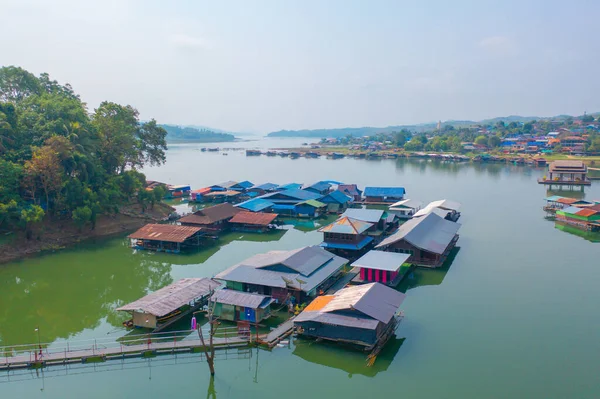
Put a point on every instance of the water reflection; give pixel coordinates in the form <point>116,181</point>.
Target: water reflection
<point>421,277</point>
<point>350,361</point>
<point>586,235</point>
<point>574,193</point>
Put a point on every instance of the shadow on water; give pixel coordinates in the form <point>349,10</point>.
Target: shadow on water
<point>308,225</point>
<point>586,235</point>
<point>421,277</point>
<point>574,192</point>
<point>350,361</point>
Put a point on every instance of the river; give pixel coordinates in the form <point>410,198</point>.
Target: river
<point>514,315</point>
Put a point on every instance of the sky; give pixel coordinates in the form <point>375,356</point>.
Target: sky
<point>261,66</point>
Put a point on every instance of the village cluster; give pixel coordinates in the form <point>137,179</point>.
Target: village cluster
<point>341,290</point>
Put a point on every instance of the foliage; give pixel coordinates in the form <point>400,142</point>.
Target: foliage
<point>178,133</point>
<point>481,140</point>
<point>57,157</point>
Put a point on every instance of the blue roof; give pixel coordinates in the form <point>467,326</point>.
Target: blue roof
<point>255,204</point>
<point>290,186</point>
<point>298,194</point>
<point>384,191</point>
<point>336,196</point>
<point>252,194</point>
<point>266,186</point>
<point>245,184</point>
<point>283,207</point>
<point>331,182</point>
<point>320,186</point>
<point>554,198</point>
<point>571,210</point>
<point>337,245</point>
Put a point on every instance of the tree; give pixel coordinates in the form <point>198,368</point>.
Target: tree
<point>8,212</point>
<point>30,217</point>
<point>587,118</point>
<point>213,323</point>
<point>493,141</point>
<point>152,143</point>
<point>81,216</point>
<point>481,140</point>
<point>17,84</point>
<point>44,171</point>
<point>414,145</point>
<point>399,138</point>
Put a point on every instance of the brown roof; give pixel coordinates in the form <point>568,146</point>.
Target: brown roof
<point>256,218</point>
<point>571,166</point>
<point>586,212</point>
<point>211,214</point>
<point>567,200</point>
<point>164,232</point>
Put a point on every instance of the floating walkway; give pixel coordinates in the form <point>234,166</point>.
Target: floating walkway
<point>103,350</point>
<point>283,330</point>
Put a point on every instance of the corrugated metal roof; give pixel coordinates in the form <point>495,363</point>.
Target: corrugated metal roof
<point>244,184</point>
<point>164,232</point>
<point>445,204</point>
<point>226,184</point>
<point>254,270</point>
<point>336,196</point>
<point>313,203</point>
<point>431,232</point>
<point>553,198</point>
<point>337,320</point>
<point>353,247</point>
<point>266,186</point>
<point>346,225</point>
<point>239,298</point>
<point>381,260</point>
<point>318,303</point>
<point>586,212</point>
<point>226,193</point>
<point>571,209</point>
<point>290,186</point>
<point>427,210</point>
<point>295,193</point>
<point>407,203</point>
<point>384,191</point>
<point>211,214</point>
<point>366,215</point>
<point>351,189</point>
<point>320,186</point>
<point>255,204</point>
<point>172,297</point>
<point>284,207</point>
<point>259,219</point>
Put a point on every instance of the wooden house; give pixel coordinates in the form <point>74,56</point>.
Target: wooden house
<point>383,195</point>
<point>299,274</point>
<point>252,222</point>
<point>234,305</point>
<point>211,219</point>
<point>405,209</point>
<point>351,190</point>
<point>169,304</point>
<point>428,240</point>
<point>387,268</point>
<point>168,238</point>
<point>362,315</point>
<point>347,237</point>
<point>310,209</point>
<point>566,173</point>
<point>337,202</point>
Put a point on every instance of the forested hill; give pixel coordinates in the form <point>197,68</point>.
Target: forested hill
<point>179,133</point>
<point>61,161</point>
<point>352,131</point>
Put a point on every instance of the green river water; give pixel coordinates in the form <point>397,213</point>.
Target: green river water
<point>515,314</point>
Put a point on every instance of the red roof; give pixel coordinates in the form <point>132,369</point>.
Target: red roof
<point>256,218</point>
<point>164,232</point>
<point>202,190</point>
<point>567,200</point>
<point>586,212</point>
<point>211,214</point>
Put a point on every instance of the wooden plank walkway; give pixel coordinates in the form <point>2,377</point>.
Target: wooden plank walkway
<point>117,352</point>
<point>282,331</point>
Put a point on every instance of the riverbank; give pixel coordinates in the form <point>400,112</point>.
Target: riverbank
<point>55,235</point>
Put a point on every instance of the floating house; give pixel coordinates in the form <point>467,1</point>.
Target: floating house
<point>196,195</point>
<point>169,304</point>
<point>337,202</point>
<point>347,237</point>
<point>387,268</point>
<point>310,209</point>
<point>321,188</point>
<point>363,315</point>
<point>234,305</point>
<point>377,217</point>
<point>445,208</point>
<point>382,195</point>
<point>211,219</point>
<point>166,238</point>
<point>556,202</point>
<point>289,186</point>
<point>291,197</point>
<point>242,186</point>
<point>405,209</point>
<point>566,173</point>
<point>428,240</point>
<point>223,186</point>
<point>263,189</point>
<point>299,274</point>
<point>583,218</point>
<point>351,190</point>
<point>229,196</point>
<point>253,221</point>
<point>256,205</point>
<point>178,191</point>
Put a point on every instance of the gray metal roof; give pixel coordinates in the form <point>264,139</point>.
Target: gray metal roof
<point>317,263</point>
<point>407,203</point>
<point>380,260</point>
<point>446,204</point>
<point>172,297</point>
<point>366,215</point>
<point>238,298</point>
<point>375,300</point>
<point>431,233</point>
<point>338,320</point>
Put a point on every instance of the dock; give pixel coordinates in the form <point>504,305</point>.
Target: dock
<point>101,350</point>
<point>283,330</point>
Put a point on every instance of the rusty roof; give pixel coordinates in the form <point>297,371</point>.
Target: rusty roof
<point>211,214</point>
<point>164,232</point>
<point>256,218</point>
<point>573,166</point>
<point>319,303</point>
<point>566,200</point>
<point>585,212</point>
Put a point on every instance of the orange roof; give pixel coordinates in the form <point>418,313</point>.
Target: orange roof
<point>586,212</point>
<point>319,303</point>
<point>202,190</point>
<point>256,218</point>
<point>567,200</point>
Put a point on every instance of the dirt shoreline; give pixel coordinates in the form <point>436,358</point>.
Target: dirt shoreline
<point>61,234</point>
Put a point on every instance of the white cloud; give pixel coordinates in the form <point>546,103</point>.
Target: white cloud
<point>498,45</point>
<point>189,42</point>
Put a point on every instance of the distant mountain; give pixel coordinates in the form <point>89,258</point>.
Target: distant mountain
<point>424,127</point>
<point>236,134</point>
<point>179,133</point>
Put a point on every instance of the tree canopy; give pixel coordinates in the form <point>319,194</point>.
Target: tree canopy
<point>58,159</point>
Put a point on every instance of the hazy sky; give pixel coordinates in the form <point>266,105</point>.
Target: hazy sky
<point>267,65</point>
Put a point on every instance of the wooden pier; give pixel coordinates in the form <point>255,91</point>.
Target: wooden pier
<point>283,330</point>
<point>43,355</point>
